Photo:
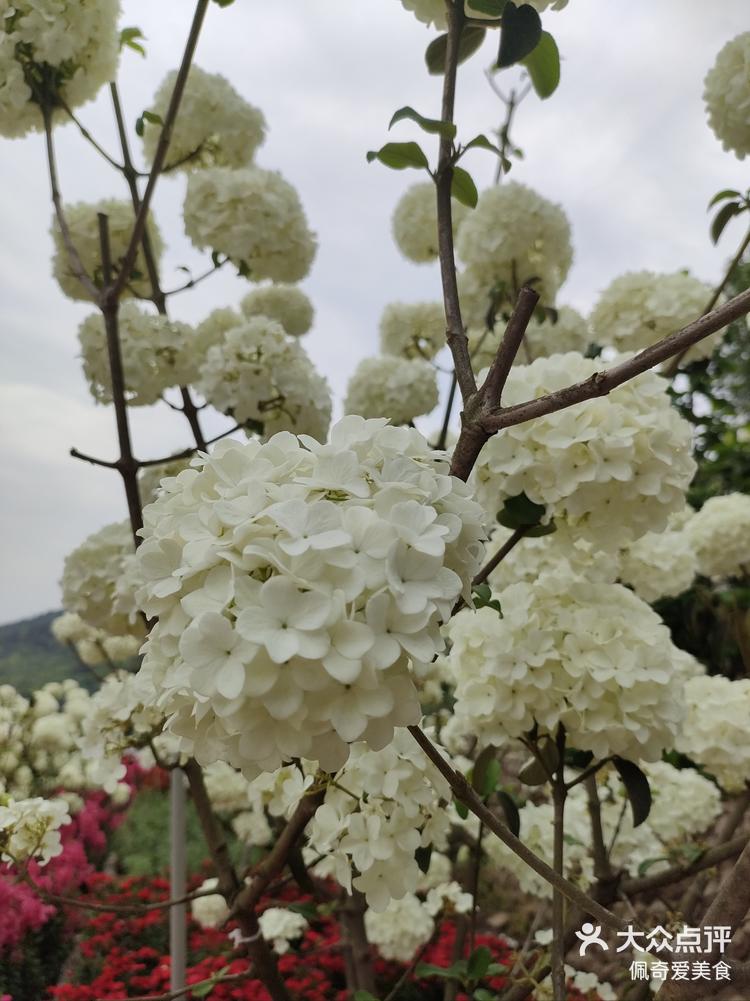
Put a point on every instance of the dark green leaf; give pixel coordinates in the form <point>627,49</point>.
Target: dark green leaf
<point>479,962</point>
<point>722,196</point>
<point>519,35</point>
<point>578,759</point>
<point>152,117</point>
<point>493,8</point>
<point>512,816</point>
<point>205,989</point>
<point>533,773</point>
<point>543,64</point>
<point>433,125</point>
<point>520,512</point>
<point>139,125</point>
<point>644,867</point>
<point>215,258</point>
<point>463,188</point>
<point>308,911</point>
<point>224,3</point>
<point>471,39</point>
<point>725,213</point>
<point>398,156</point>
<point>455,972</point>
<point>362,995</point>
<point>461,809</point>
<point>422,857</point>
<point>482,994</point>
<point>540,530</point>
<point>636,787</point>
<point>486,771</point>
<point>481,142</point>
<point>129,37</point>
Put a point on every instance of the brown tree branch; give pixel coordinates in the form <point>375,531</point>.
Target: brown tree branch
<point>676,873</point>
<point>497,376</point>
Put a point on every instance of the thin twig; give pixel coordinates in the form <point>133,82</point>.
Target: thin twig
<point>229,978</point>
<point>495,561</point>
<point>88,137</point>
<point>94,461</point>
<point>197,280</point>
<point>493,385</point>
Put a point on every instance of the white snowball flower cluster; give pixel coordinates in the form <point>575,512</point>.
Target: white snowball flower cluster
<point>53,51</point>
<point>659,564</point>
<point>589,655</point>
<point>287,304</point>
<point>84,232</point>
<point>397,388</point>
<point>558,552</point>
<point>412,329</point>
<point>715,733</point>
<point>254,217</point>
<point>432,12</point>
<point>513,236</point>
<point>402,928</point>
<point>292,582</point>
<point>727,96</point>
<point>640,308</point>
<point>720,534</point>
<point>121,718</point>
<point>281,927</point>
<point>382,807</point>
<point>586,984</point>
<point>215,127</point>
<point>570,332</point>
<point>257,373</point>
<point>414,223</point>
<point>684,802</point>
<point>156,354</point>
<point>94,582</point>
<point>150,477</point>
<point>210,911</point>
<point>609,469</point>
<point>30,828</point>
<point>228,789</point>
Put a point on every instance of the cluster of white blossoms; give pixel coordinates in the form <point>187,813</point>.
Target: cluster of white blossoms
<point>209,910</point>
<point>715,733</point>
<point>586,984</point>
<point>286,304</point>
<point>30,829</point>
<point>96,583</point>
<point>382,807</point>
<point>406,924</point>
<point>569,332</point>
<point>156,354</point>
<point>660,564</point>
<point>254,217</point>
<point>684,802</point>
<point>120,718</point>
<point>53,51</point>
<point>84,231</point>
<point>256,373</point>
<point>281,927</point>
<point>591,656</point>
<point>609,469</point>
<point>414,223</point>
<point>432,12</point>
<point>512,237</point>
<point>412,329</point>
<point>727,96</point>
<point>558,552</point>
<point>720,535</point>
<point>641,307</point>
<point>150,477</point>
<point>93,646</point>
<point>215,127</point>
<point>400,388</point>
<point>292,582</point>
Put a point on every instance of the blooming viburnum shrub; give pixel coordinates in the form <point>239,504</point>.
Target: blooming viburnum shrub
<point>254,217</point>
<point>414,224</point>
<point>412,329</point>
<point>715,733</point>
<point>30,828</point>
<point>50,53</point>
<point>727,96</point>
<point>215,127</point>
<point>293,581</point>
<point>402,388</point>
<point>609,470</point>
<point>287,304</point>
<point>720,534</point>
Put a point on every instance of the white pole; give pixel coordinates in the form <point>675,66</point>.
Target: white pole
<point>177,880</point>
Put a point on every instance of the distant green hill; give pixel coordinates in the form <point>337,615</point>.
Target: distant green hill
<point>30,656</point>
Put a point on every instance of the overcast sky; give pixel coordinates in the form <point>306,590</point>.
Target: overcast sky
<point>622,145</point>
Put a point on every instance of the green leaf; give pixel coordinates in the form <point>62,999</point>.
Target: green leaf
<point>520,512</point>
<point>129,38</point>
<point>722,217</point>
<point>644,867</point>
<point>543,64</point>
<point>471,39</point>
<point>433,125</point>
<point>152,117</point>
<point>512,816</point>
<point>482,994</point>
<point>533,773</point>
<point>224,3</point>
<point>461,809</point>
<point>636,787</point>
<point>362,995</point>
<point>463,188</point>
<point>578,759</point>
<point>205,989</point>
<point>493,8</point>
<point>422,857</point>
<point>308,911</point>
<point>486,771</point>
<point>455,972</point>
<point>398,156</point>
<point>139,127</point>
<point>519,35</point>
<point>479,962</point>
<point>481,142</point>
<point>722,196</point>
<point>539,530</point>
